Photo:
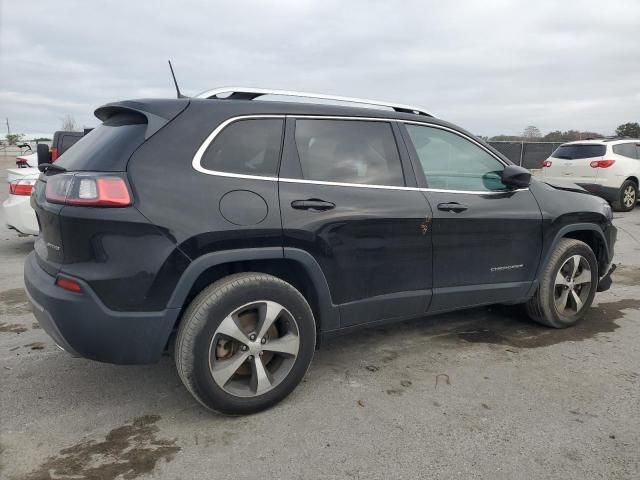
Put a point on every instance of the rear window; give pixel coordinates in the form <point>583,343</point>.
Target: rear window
<point>68,141</point>
<point>576,152</point>
<point>249,147</point>
<point>106,148</point>
<point>348,151</point>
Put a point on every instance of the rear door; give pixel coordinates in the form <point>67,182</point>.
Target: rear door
<point>487,239</point>
<point>572,162</point>
<point>348,197</point>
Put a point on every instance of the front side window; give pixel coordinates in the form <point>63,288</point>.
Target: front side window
<point>249,147</point>
<point>348,151</point>
<point>626,150</point>
<point>451,162</point>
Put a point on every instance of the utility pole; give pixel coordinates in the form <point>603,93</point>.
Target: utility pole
<point>8,128</point>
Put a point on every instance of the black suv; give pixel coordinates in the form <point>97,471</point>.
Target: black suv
<point>255,228</point>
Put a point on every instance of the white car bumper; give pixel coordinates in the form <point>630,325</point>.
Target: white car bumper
<point>19,215</point>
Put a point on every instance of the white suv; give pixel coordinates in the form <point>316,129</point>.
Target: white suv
<point>609,168</point>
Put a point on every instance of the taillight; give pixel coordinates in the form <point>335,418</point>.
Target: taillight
<point>602,163</point>
<point>546,164</point>
<point>21,162</point>
<point>54,154</point>
<point>22,186</point>
<point>88,189</point>
<point>68,284</point>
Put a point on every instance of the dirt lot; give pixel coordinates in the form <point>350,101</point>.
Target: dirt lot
<point>476,394</point>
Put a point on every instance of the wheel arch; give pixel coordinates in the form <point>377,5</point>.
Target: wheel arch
<point>589,233</point>
<point>294,266</point>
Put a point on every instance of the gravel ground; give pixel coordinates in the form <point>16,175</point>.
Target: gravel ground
<point>476,394</point>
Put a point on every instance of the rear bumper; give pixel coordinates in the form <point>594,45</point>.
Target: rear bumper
<point>610,194</point>
<point>19,215</point>
<point>80,324</point>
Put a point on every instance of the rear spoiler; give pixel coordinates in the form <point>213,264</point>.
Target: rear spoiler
<point>156,112</point>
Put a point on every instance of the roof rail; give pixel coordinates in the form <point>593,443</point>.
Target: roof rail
<point>250,93</point>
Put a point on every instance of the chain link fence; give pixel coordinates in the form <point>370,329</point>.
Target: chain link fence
<point>526,154</point>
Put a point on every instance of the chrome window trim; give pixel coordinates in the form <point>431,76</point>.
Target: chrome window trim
<point>213,93</point>
<point>197,158</point>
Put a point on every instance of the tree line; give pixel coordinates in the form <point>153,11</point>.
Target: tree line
<point>533,134</point>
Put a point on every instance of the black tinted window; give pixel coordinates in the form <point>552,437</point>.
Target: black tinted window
<point>250,147</point>
<point>348,151</point>
<point>105,148</point>
<point>626,149</point>
<point>576,152</point>
<point>67,142</point>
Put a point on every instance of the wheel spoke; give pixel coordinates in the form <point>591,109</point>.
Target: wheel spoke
<point>269,312</point>
<point>584,277</point>
<point>576,298</point>
<point>576,263</point>
<point>223,370</point>
<point>561,302</point>
<point>560,280</point>
<point>289,345</point>
<point>260,380</point>
<point>231,329</point>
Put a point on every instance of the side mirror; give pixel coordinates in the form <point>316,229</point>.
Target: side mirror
<point>516,176</point>
<point>44,155</point>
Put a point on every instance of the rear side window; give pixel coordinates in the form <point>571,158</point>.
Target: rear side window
<point>577,151</point>
<point>348,151</point>
<point>249,147</point>
<point>627,150</point>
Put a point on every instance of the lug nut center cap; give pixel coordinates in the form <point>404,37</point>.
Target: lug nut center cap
<point>255,348</point>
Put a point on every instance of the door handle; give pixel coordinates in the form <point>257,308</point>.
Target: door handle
<point>452,207</point>
<point>312,204</point>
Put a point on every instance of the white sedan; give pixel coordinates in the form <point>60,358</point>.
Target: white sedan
<point>17,207</point>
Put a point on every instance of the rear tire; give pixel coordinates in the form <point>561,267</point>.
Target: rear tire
<point>627,197</point>
<point>244,343</point>
<point>567,285</point>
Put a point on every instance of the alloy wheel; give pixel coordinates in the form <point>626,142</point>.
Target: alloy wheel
<point>629,196</point>
<point>254,348</point>
<point>572,285</point>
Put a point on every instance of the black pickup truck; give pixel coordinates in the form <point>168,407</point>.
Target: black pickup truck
<point>62,141</point>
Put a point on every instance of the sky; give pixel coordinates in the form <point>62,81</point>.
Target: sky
<point>491,66</point>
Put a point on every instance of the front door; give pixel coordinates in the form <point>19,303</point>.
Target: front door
<point>349,206</point>
<point>487,239</point>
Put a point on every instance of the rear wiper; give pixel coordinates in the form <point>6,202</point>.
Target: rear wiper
<point>559,156</point>
<point>43,167</point>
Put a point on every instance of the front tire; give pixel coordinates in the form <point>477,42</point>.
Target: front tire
<point>567,285</point>
<point>627,197</point>
<point>244,343</point>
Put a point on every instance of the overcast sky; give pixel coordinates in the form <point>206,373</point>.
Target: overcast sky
<point>490,66</point>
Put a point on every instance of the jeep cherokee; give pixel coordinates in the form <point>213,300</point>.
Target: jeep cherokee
<point>254,228</point>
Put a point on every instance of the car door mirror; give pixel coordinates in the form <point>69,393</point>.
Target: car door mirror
<point>516,177</point>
